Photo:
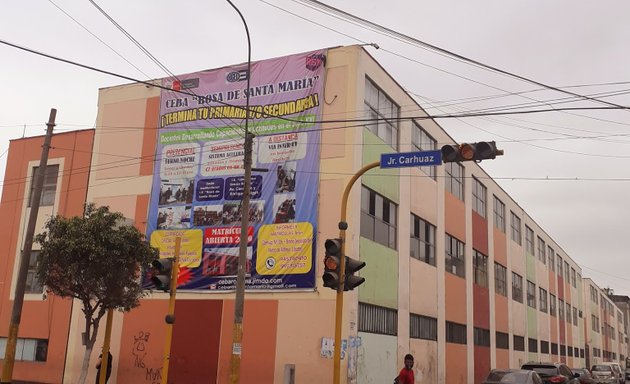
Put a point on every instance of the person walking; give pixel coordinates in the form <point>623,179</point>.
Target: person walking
<point>406,374</point>
<point>109,367</point>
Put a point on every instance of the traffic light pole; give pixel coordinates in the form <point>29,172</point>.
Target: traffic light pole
<point>102,376</point>
<point>343,225</point>
<point>170,317</point>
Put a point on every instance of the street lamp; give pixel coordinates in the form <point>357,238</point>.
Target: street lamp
<point>237,330</point>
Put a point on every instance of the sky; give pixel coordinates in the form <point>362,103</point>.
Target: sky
<point>569,170</point>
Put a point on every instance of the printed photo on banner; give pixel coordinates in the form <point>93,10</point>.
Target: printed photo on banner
<point>284,208</point>
<point>176,191</point>
<point>224,261</point>
<point>286,177</point>
<point>177,217</point>
<point>205,215</point>
<point>232,212</point>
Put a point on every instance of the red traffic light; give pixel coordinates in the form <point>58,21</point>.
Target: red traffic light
<point>482,150</point>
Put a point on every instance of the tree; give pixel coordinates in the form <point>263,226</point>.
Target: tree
<point>97,260</point>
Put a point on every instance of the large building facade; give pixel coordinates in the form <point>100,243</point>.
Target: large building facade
<point>457,274</point>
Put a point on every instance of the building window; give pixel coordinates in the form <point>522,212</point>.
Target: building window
<point>582,353</point>
<point>532,344</point>
<point>594,295</point>
<point>542,256</point>
<point>567,272</point>
<point>563,350</point>
<point>454,258</point>
<point>499,214</point>
<point>542,299</point>
<point>531,294</point>
<point>516,228</point>
<point>552,258</point>
<point>568,318</point>
<point>575,316</point>
<point>559,265</point>
<point>595,323</point>
<point>500,279</point>
<point>573,278</point>
<point>32,283</point>
<point>554,348</point>
<point>481,337</point>
<point>503,340</point>
<point>27,349</point>
<point>455,333</point>
<point>424,142</point>
<point>480,269</point>
<point>529,240</point>
<point>422,327</point>
<point>519,343</point>
<point>561,309</point>
<point>422,240</point>
<point>480,200</point>
<point>455,179</point>
<point>544,346</point>
<point>552,304</point>
<point>569,351</point>
<point>383,114</point>
<point>517,287</point>
<point>49,190</point>
<point>378,218</point>
<point>376,319</point>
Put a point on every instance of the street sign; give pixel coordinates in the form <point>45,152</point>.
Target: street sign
<point>411,159</point>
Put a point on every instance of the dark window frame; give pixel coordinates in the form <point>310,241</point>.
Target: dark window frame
<point>422,240</point>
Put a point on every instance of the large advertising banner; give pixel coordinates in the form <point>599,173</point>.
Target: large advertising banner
<point>199,174</point>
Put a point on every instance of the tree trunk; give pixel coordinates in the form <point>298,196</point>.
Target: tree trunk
<point>86,362</point>
<point>90,340</point>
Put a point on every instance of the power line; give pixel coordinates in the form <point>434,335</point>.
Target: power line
<point>507,93</point>
<point>97,38</point>
<point>406,38</point>
<point>267,115</point>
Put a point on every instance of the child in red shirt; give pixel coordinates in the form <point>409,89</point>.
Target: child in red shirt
<point>406,374</point>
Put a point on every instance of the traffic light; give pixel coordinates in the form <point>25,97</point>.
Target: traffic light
<point>332,264</point>
<point>162,271</point>
<point>482,150</point>
<point>352,281</point>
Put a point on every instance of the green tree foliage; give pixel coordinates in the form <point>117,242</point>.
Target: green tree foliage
<point>96,259</point>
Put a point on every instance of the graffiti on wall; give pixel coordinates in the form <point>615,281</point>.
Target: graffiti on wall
<point>152,375</point>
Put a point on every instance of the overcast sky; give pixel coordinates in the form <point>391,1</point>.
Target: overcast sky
<point>569,170</point>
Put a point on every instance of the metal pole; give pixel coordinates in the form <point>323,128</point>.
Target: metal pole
<point>170,317</point>
<point>343,225</point>
<point>237,330</point>
<point>20,286</point>
<point>105,353</point>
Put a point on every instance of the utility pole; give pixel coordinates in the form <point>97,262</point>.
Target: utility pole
<point>239,301</point>
<point>20,286</point>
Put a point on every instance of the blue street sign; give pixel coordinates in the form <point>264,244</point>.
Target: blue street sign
<point>411,159</point>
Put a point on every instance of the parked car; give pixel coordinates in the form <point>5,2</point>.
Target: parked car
<point>553,373</point>
<point>512,376</point>
<point>628,373</point>
<point>604,374</point>
<point>618,372</point>
<point>585,375</point>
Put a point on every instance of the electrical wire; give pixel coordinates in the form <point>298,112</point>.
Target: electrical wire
<point>507,93</point>
<point>325,8</point>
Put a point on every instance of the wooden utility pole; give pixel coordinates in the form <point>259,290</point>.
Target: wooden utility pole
<point>20,286</point>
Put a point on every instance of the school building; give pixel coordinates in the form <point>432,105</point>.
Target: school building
<point>457,273</point>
